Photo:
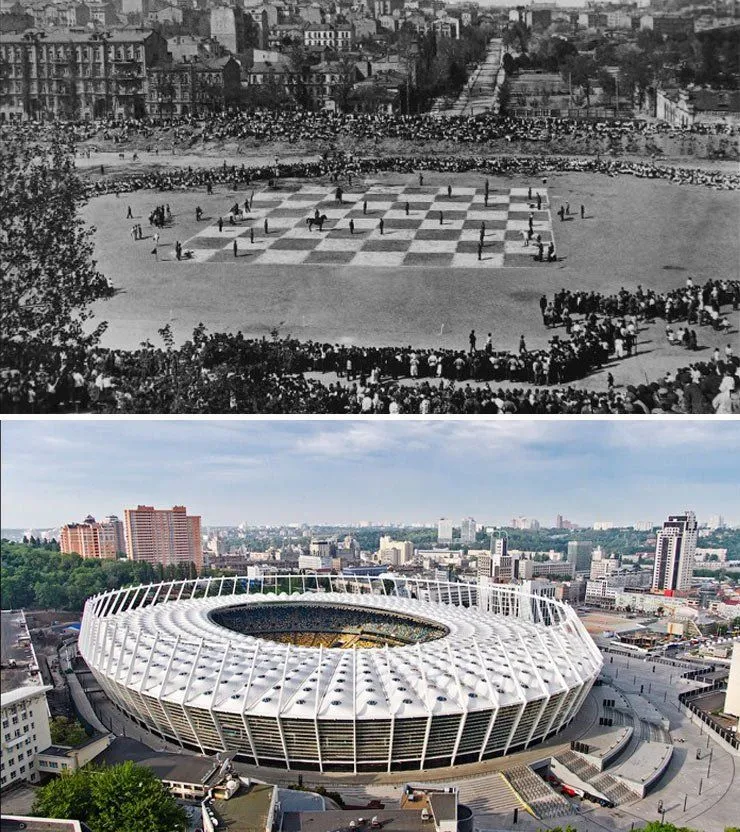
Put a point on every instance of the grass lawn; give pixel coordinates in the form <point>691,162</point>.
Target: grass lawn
<point>652,233</point>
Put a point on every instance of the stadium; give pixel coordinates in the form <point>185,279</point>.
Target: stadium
<point>331,673</point>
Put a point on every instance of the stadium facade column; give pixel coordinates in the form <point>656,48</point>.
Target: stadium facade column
<point>244,708</point>
<point>316,709</point>
<point>187,691</point>
<point>280,705</point>
<point>163,687</point>
<point>354,708</point>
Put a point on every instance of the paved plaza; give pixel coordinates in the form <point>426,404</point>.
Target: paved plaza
<point>381,226</point>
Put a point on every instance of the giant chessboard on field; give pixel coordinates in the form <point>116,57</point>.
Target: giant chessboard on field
<point>416,239</point>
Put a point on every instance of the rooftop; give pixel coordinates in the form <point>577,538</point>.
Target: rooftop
<point>247,810</point>
<point>399,820</point>
<point>180,768</point>
<point>20,694</point>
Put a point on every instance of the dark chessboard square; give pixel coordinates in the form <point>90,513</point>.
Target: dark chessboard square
<point>386,245</point>
<point>471,247</point>
<point>413,206</point>
<point>343,232</point>
<point>300,197</point>
<point>440,233</point>
<point>520,259</point>
<point>466,198</point>
<point>296,243</point>
<point>403,222</point>
<point>423,189</point>
<point>209,242</point>
<point>329,257</point>
<point>512,234</point>
<point>492,191</point>
<point>491,225</point>
<point>247,254</point>
<point>288,213</point>
<point>432,259</point>
<point>447,215</point>
<point>357,214</point>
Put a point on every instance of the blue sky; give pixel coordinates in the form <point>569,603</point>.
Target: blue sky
<point>277,471</point>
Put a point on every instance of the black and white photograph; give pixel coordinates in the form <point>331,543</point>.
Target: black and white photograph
<point>408,207</point>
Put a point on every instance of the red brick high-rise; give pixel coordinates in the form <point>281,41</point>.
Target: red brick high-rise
<point>163,536</point>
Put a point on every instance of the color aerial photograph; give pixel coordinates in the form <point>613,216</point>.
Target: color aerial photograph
<point>545,639</point>
<point>382,207</point>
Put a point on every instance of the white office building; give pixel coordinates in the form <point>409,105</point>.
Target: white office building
<point>444,530</point>
<point>24,715</point>
<point>674,553</point>
<point>468,528</point>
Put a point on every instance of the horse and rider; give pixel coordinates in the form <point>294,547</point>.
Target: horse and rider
<point>317,219</point>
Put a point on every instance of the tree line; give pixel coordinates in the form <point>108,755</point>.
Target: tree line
<point>42,578</point>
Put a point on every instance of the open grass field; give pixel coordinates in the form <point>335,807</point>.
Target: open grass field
<point>646,232</point>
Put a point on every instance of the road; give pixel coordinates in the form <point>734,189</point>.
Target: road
<point>481,91</point>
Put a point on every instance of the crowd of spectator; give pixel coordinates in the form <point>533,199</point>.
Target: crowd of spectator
<point>227,373</point>
<point>272,620</point>
<point>695,304</point>
<point>295,125</point>
<point>337,166</point>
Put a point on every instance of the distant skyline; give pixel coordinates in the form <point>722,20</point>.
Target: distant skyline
<point>271,472</point>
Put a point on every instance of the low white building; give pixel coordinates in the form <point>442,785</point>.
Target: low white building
<point>24,717</point>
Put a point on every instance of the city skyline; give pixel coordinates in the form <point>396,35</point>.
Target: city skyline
<point>266,473</point>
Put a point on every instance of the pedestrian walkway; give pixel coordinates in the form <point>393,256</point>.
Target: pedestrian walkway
<point>481,92</point>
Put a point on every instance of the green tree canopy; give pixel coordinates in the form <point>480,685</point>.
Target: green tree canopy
<point>48,279</point>
<point>110,799</point>
<point>67,731</point>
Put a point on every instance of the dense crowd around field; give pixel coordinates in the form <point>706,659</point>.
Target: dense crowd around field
<point>286,125</point>
<point>228,373</point>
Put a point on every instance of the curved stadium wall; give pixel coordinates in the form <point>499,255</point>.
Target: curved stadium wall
<point>499,671</point>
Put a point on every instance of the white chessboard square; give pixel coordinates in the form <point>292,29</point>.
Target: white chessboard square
<point>492,216</point>
<point>386,189</point>
<point>420,197</point>
<point>301,232</point>
<point>268,196</point>
<point>523,225</point>
<point>336,213</point>
<point>488,260</point>
<point>400,214</point>
<point>433,246</point>
<point>338,244</point>
<point>313,190</point>
<point>292,257</point>
<point>445,207</point>
<point>518,247</point>
<point>382,259</point>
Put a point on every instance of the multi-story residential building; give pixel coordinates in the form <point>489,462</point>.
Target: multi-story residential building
<point>674,553</point>
<point>71,74</point>
<point>91,539</point>
<point>468,529</point>
<point>339,36</point>
<point>228,27</point>
<point>163,536</point>
<point>103,13</point>
<point>396,552</point>
<point>686,107</point>
<point>444,530</point>
<point>667,24</point>
<point>24,731</point>
<point>579,552</point>
<point>193,87</point>
<point>393,8</point>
